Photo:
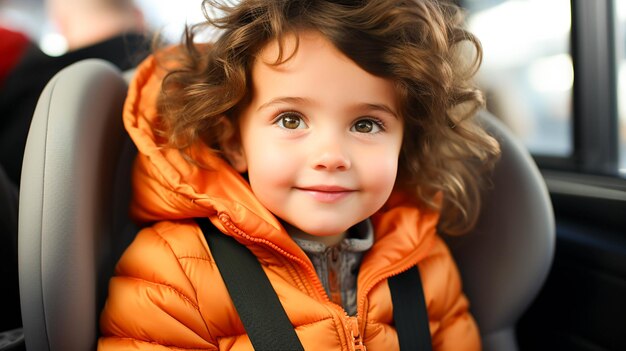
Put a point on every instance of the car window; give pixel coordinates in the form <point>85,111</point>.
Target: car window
<point>555,73</point>
<point>527,71</point>
<point>168,18</point>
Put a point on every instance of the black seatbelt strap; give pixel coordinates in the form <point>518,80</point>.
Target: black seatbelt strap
<point>266,321</point>
<point>257,304</point>
<point>409,311</point>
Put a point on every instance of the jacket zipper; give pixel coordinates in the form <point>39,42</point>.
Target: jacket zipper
<point>355,334</point>
<point>405,265</point>
<point>350,324</point>
<point>317,286</point>
<point>373,282</point>
<point>355,324</point>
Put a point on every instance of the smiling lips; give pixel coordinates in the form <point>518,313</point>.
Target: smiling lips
<point>327,194</point>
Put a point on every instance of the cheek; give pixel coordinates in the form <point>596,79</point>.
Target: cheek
<point>379,174</point>
<point>269,167</point>
<point>383,176</point>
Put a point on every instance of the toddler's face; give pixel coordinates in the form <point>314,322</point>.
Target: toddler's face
<point>320,139</point>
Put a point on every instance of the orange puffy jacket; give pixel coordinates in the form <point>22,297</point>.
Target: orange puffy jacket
<point>167,293</point>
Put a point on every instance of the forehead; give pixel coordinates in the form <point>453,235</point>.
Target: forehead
<point>307,64</point>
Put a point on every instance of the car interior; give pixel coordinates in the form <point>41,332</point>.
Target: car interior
<point>545,268</point>
<point>73,224</point>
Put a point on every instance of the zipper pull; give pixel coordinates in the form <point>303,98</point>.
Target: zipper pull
<point>356,334</point>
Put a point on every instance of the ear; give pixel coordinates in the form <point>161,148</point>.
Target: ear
<point>235,154</point>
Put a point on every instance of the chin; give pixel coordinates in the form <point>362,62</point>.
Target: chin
<point>320,231</point>
<point>324,231</point>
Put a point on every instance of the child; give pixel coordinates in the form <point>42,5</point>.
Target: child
<point>327,137</point>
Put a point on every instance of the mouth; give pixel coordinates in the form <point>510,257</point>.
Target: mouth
<point>326,193</point>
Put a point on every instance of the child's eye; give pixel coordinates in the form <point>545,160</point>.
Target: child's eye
<point>367,125</point>
<point>290,120</point>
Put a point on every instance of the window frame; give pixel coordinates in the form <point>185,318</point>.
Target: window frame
<point>594,100</point>
<point>591,173</point>
<point>594,108</point>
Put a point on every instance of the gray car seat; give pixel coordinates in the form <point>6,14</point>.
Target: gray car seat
<point>73,223</point>
<point>505,260</point>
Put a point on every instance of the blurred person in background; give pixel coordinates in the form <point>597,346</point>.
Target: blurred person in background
<point>12,46</point>
<point>113,30</point>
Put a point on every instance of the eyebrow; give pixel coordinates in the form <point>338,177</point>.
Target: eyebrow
<point>380,107</point>
<point>285,100</point>
<point>304,101</point>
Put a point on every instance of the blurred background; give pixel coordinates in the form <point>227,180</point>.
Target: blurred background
<point>554,71</point>
<point>30,17</point>
<point>528,73</point>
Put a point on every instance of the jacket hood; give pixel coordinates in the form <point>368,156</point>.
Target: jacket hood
<point>166,186</point>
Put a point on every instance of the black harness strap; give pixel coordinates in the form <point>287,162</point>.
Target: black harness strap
<point>257,304</point>
<point>264,318</point>
<point>409,313</point>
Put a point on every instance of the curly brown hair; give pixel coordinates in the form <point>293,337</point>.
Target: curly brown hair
<point>420,45</point>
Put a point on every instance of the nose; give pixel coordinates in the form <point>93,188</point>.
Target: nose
<point>330,155</point>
